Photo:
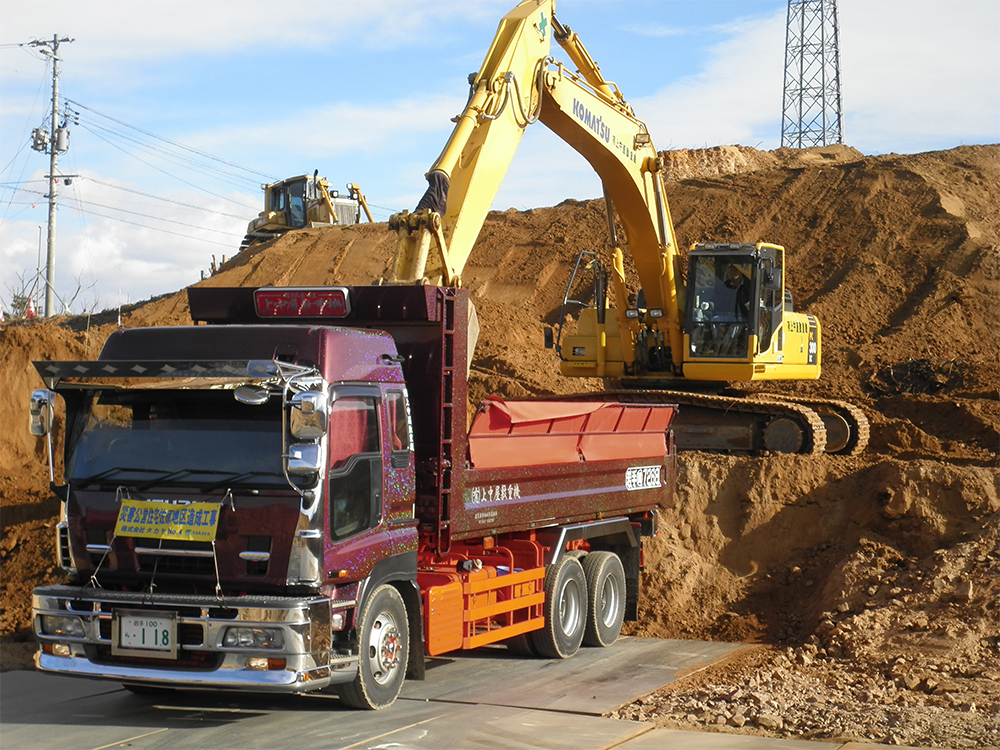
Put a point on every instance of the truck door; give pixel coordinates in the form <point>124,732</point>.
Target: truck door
<point>354,479</point>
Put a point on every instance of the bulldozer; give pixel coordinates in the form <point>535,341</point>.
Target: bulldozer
<point>301,202</point>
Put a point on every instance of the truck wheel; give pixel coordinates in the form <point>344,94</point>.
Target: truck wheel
<point>383,652</point>
<point>606,593</point>
<point>565,610</point>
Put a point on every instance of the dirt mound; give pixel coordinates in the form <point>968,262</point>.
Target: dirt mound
<point>876,570</point>
<point>685,164</point>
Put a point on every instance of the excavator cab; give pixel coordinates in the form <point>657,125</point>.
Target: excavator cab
<point>738,321</point>
<point>732,296</point>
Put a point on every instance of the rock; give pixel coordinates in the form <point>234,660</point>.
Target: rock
<point>769,721</point>
<point>945,686</point>
<point>737,720</point>
<point>964,591</point>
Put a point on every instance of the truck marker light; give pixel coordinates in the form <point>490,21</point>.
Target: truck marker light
<point>302,302</point>
<point>337,621</point>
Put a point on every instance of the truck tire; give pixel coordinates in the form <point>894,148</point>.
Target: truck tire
<point>565,610</point>
<point>383,651</point>
<point>606,596</point>
<point>521,645</point>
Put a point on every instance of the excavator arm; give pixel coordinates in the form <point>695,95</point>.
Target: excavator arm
<point>463,181</point>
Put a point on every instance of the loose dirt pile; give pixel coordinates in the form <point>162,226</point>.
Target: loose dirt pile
<point>872,582</point>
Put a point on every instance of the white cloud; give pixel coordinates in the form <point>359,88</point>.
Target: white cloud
<point>731,100</point>
<point>172,28</point>
<point>146,248</point>
<point>920,74</point>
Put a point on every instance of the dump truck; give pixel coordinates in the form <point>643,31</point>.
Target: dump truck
<point>293,495</point>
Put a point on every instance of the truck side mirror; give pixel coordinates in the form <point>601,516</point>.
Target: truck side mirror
<point>252,395</point>
<point>303,459</point>
<point>308,418</point>
<point>40,413</point>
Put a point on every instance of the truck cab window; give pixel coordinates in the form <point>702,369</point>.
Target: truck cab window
<point>355,478</point>
<point>399,424</point>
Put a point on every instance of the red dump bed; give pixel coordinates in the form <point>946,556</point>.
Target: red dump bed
<point>532,433</point>
<point>536,463</point>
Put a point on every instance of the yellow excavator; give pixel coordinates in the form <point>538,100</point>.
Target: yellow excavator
<point>304,201</point>
<point>733,320</point>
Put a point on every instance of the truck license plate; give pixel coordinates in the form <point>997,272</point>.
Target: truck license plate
<point>152,634</point>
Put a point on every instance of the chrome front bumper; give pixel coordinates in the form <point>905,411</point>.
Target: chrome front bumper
<point>202,660</point>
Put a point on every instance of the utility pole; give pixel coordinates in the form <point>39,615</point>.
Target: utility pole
<point>53,142</point>
<point>811,113</point>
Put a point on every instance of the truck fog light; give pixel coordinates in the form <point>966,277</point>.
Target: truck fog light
<point>253,638</point>
<point>69,627</point>
<point>337,621</point>
<point>60,649</point>
<point>257,662</point>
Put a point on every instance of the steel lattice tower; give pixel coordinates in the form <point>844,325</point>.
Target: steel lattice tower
<point>811,113</point>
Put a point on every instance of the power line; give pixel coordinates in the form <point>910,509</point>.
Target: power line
<point>159,229</point>
<point>147,216</point>
<point>163,171</point>
<point>179,159</point>
<point>203,154</point>
<point>165,200</point>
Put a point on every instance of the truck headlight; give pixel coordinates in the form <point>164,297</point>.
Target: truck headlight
<point>67,627</point>
<point>253,638</point>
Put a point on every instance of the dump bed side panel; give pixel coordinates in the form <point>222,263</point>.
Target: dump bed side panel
<point>535,464</point>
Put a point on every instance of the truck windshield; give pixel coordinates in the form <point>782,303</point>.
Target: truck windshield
<point>182,437</point>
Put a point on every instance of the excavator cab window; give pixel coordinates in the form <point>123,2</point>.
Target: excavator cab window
<point>721,313</point>
<point>771,302</point>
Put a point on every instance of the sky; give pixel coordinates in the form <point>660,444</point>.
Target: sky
<point>186,108</point>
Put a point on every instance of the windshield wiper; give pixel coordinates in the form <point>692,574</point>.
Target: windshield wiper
<point>237,478</point>
<point>94,478</point>
<point>174,475</point>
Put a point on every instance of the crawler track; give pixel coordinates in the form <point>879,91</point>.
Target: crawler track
<point>848,429</point>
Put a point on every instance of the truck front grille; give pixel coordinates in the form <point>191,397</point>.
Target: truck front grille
<point>176,566</point>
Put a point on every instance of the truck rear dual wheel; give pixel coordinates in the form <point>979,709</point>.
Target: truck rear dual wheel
<point>565,610</point>
<point>383,651</point>
<point>606,595</point>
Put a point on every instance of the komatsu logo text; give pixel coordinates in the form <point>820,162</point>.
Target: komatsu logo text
<point>601,129</point>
